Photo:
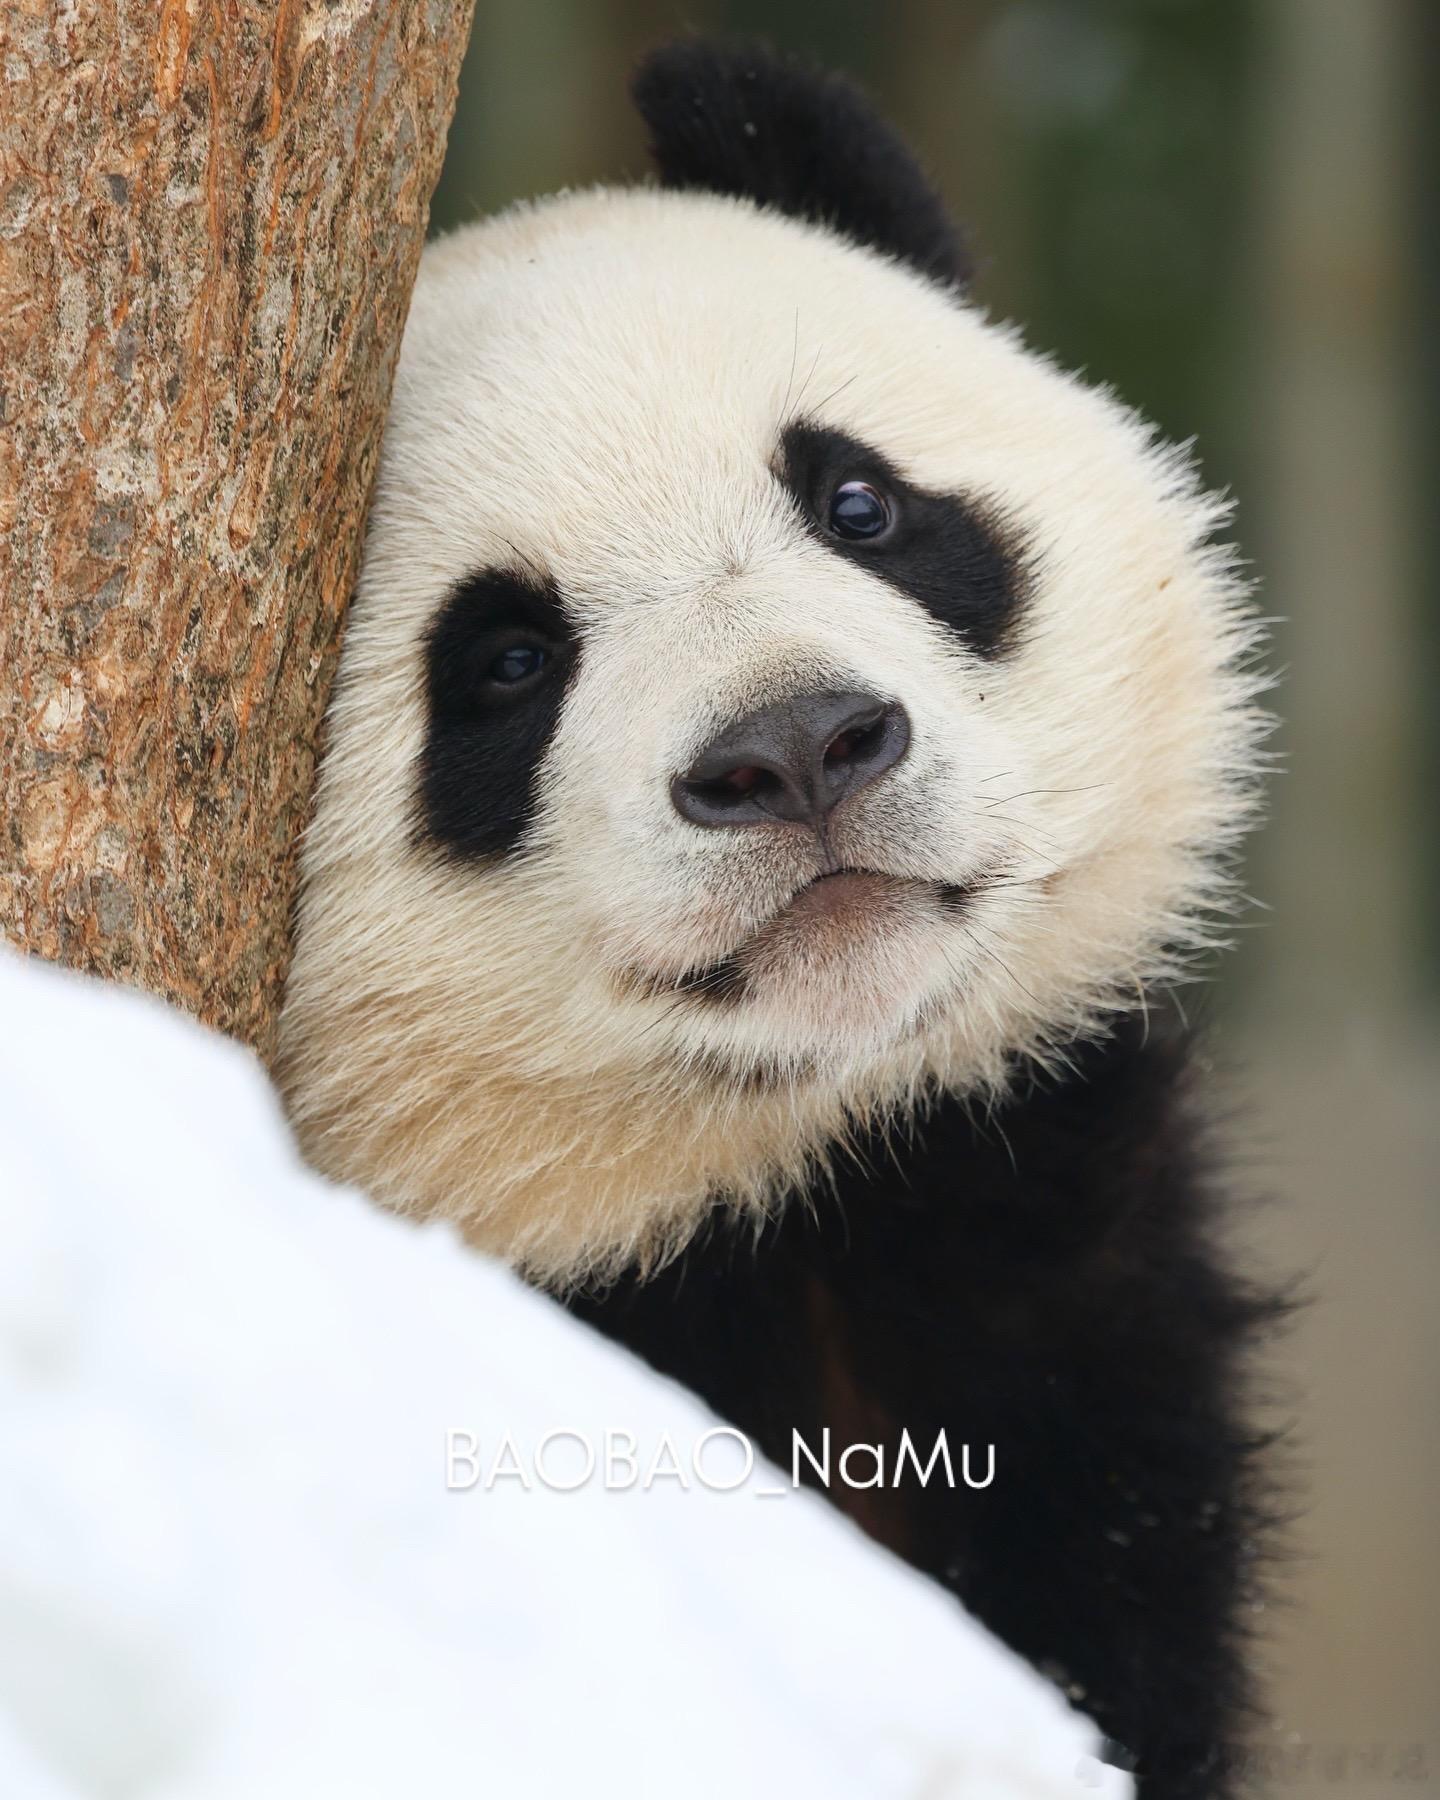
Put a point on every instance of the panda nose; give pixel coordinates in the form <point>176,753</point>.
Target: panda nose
<point>796,760</point>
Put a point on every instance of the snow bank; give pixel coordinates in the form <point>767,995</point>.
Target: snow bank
<point>230,1565</point>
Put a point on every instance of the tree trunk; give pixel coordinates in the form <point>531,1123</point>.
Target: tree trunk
<point>210,217</point>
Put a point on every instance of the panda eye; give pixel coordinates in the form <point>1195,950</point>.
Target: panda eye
<point>859,512</point>
<point>518,663</point>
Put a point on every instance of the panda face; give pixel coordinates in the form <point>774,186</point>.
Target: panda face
<point>771,692</point>
<point>705,683</point>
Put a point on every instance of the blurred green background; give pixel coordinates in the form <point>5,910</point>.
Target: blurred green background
<point>1221,209</point>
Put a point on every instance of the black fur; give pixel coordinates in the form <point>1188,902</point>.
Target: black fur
<point>484,742</point>
<point>944,551</point>
<point>1046,1281</point>
<point>740,119</point>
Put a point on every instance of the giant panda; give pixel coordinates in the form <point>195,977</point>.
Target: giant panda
<point>790,738</point>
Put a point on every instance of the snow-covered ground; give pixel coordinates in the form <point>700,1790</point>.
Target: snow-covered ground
<point>231,1567</point>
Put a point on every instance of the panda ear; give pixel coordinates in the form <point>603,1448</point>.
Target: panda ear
<point>739,119</point>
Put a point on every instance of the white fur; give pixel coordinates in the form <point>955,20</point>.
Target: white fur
<point>593,388</point>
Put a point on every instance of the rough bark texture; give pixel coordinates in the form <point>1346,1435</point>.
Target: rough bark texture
<point>210,216</point>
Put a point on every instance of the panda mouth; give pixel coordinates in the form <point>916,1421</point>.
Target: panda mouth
<point>835,906</point>
<point>836,891</point>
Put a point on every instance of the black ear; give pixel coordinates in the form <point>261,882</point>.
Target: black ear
<point>738,119</point>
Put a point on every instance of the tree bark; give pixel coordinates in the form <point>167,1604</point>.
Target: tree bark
<point>210,217</point>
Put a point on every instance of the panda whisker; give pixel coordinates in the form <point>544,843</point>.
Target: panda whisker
<point>1091,787</point>
<point>834,393</point>
<point>1012,882</point>
<point>804,385</point>
<point>1024,843</point>
<point>1010,819</point>
<point>790,379</point>
<point>990,950</point>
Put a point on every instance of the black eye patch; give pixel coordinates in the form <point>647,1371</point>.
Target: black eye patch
<point>498,660</point>
<point>946,552</point>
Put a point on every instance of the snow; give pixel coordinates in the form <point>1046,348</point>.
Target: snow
<point>230,1564</point>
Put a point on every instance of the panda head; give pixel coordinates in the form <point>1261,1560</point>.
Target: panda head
<point>772,694</point>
